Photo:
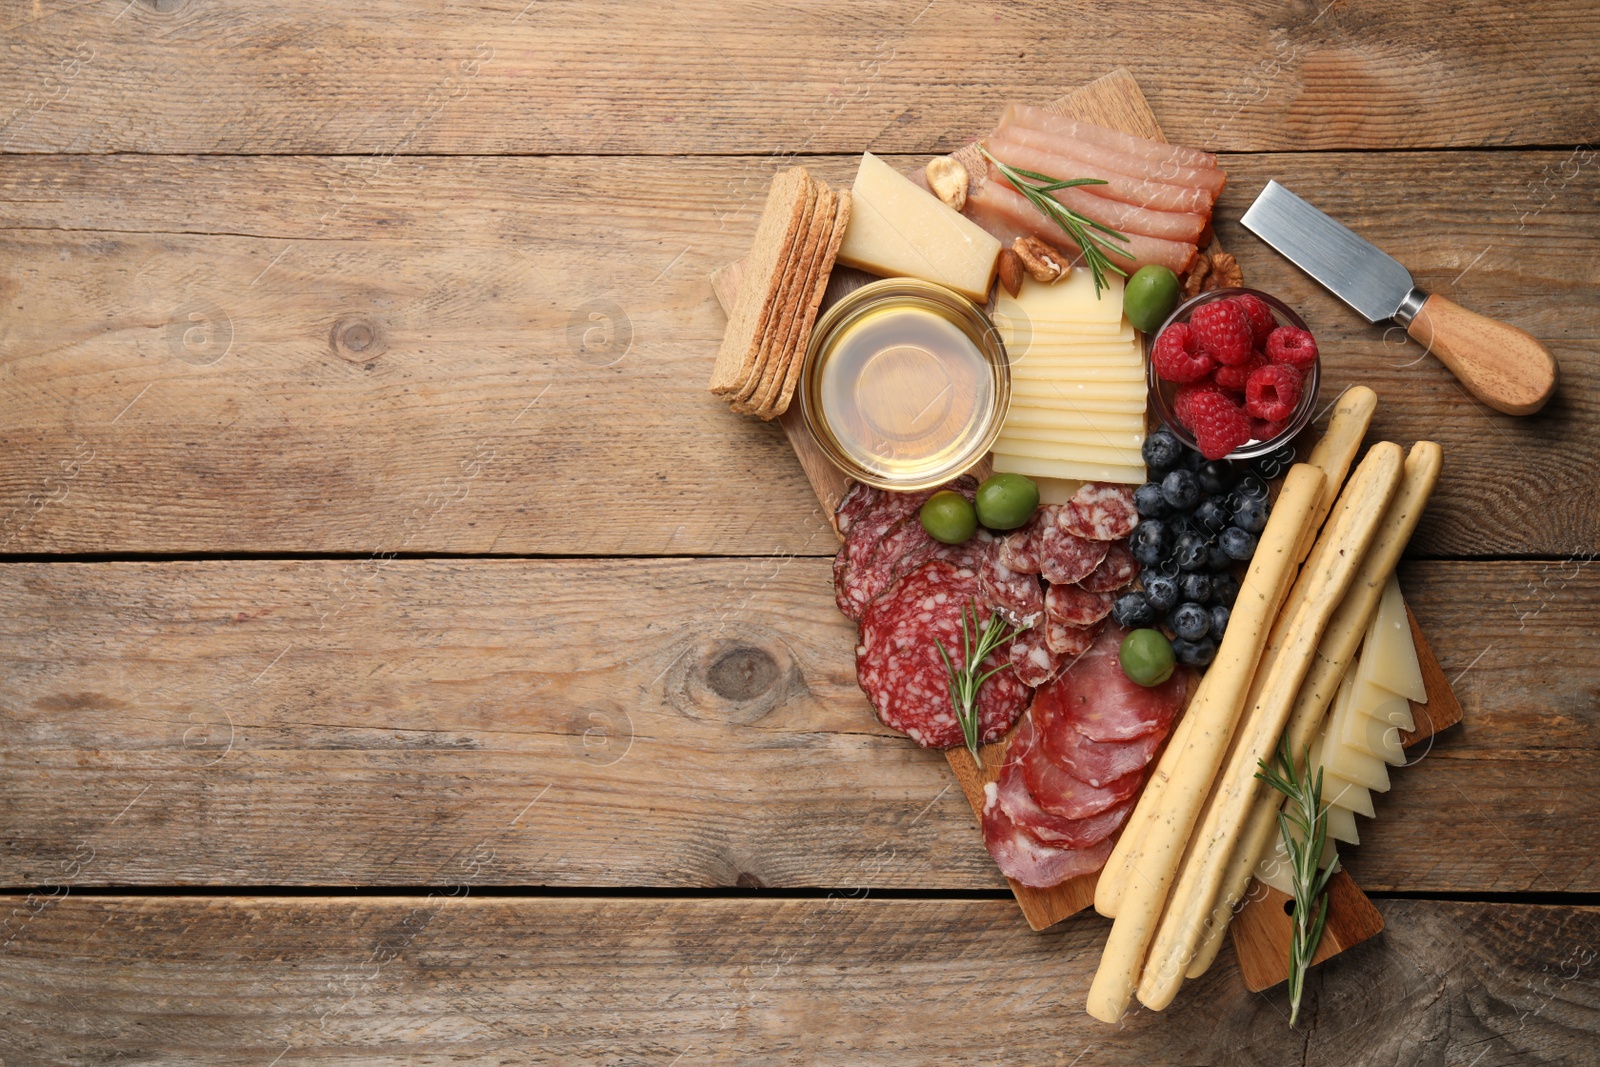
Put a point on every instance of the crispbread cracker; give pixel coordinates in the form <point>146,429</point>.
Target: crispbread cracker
<point>808,315</point>
<point>780,223</point>
<point>742,399</point>
<point>775,365</point>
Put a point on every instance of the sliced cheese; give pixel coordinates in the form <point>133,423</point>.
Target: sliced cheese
<point>1056,450</point>
<point>1129,440</point>
<point>1354,765</point>
<point>1341,825</point>
<point>1274,869</point>
<point>1015,326</point>
<point>1067,469</point>
<point>1057,490</point>
<point>1075,373</point>
<point>1366,734</point>
<point>898,229</point>
<point>1346,794</point>
<point>1109,355</point>
<point>1026,411</point>
<point>1072,299</point>
<point>1388,708</point>
<point>1389,656</point>
<point>1131,394</point>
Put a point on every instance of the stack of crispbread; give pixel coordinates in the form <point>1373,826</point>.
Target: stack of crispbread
<point>785,274</point>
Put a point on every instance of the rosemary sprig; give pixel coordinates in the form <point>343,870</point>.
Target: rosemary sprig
<point>1080,228</point>
<point>976,644</point>
<point>1304,825</point>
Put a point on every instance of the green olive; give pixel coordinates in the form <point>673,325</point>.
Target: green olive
<point>949,518</point>
<point>1147,657</point>
<point>1149,297</point>
<point>1006,501</point>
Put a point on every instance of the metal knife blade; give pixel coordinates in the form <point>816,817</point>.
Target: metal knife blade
<point>1352,268</point>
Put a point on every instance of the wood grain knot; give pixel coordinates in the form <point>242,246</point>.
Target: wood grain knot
<point>357,339</point>
<point>732,678</point>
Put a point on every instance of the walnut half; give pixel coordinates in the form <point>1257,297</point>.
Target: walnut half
<point>948,180</point>
<point>1225,272</point>
<point>1044,264</point>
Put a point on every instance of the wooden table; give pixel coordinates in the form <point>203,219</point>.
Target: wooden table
<point>403,659</point>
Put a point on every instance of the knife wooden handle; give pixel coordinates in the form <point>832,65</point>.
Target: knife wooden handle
<point>1505,367</point>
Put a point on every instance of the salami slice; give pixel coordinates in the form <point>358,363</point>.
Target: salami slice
<point>1072,605</point>
<point>1101,511</point>
<point>1065,558</point>
<point>886,541</point>
<point>1069,641</point>
<point>1032,658</point>
<point>1058,792</point>
<point>857,502</point>
<point>1019,549</point>
<point>899,667</point>
<point>1016,594</point>
<point>1026,811</point>
<point>1021,857</point>
<point>1116,571</point>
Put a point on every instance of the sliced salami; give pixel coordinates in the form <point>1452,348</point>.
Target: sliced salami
<point>1032,659</point>
<point>1019,549</point>
<point>1072,605</point>
<point>899,667</point>
<point>886,541</point>
<point>1116,571</point>
<point>857,502</point>
<point>1065,558</point>
<point>1021,857</point>
<point>1101,511</point>
<point>1017,595</point>
<point>1069,641</point>
<point>1028,812</point>
<point>1060,793</point>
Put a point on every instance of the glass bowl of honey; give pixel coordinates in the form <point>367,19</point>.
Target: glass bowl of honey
<point>905,384</point>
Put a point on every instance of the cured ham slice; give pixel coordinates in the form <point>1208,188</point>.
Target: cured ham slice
<point>1025,810</point>
<point>1059,793</point>
<point>1207,180</point>
<point>1022,858</point>
<point>1126,204</point>
<point>1071,129</point>
<point>1097,762</point>
<point>1001,210</point>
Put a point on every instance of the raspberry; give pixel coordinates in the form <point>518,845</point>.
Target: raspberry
<point>1262,430</point>
<point>1175,357</point>
<point>1295,347</point>
<point>1182,403</point>
<point>1234,377</point>
<point>1220,425</point>
<point>1272,392</point>
<point>1223,329</point>
<point>1261,321</point>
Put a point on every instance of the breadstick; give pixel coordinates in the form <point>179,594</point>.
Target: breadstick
<point>1334,654</point>
<point>1333,454</point>
<point>1316,595</point>
<point>1213,715</point>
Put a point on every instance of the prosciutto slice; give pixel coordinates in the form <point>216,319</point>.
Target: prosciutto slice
<point>1071,129</point>
<point>1128,204</point>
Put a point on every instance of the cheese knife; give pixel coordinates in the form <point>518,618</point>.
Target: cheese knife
<point>1505,367</point>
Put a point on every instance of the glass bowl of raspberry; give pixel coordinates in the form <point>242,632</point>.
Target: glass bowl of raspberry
<point>1233,373</point>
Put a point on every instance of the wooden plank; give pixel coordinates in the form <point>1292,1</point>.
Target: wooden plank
<point>453,978</point>
<point>697,77</point>
<point>469,286</point>
<point>390,722</point>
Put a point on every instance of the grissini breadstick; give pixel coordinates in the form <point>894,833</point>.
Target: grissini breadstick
<point>1323,582</point>
<point>1333,454</point>
<point>1334,654</point>
<point>1214,714</point>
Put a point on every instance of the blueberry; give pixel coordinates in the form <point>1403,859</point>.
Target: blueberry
<point>1162,451</point>
<point>1216,476</point>
<point>1150,541</point>
<point>1251,487</point>
<point>1149,501</point>
<point>1190,552</point>
<point>1237,543</point>
<point>1196,587</point>
<point>1189,621</point>
<point>1217,561</point>
<point>1132,611</point>
<point>1213,513</point>
<point>1252,515</point>
<point>1224,590</point>
<point>1219,621</point>
<point>1193,461</point>
<point>1161,592</point>
<point>1195,653</point>
<point>1180,489</point>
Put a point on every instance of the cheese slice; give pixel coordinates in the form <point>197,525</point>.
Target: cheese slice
<point>1274,869</point>
<point>1057,490</point>
<point>1346,794</point>
<point>1355,765</point>
<point>1364,733</point>
<point>1075,373</point>
<point>1015,326</point>
<point>1128,440</point>
<point>1388,654</point>
<point>1072,453</point>
<point>1132,393</point>
<point>1024,411</point>
<point>1341,825</point>
<point>898,229</point>
<point>1109,355</point>
<point>1072,299</point>
<point>1067,469</point>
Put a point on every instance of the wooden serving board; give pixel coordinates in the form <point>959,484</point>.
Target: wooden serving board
<point>1262,927</point>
